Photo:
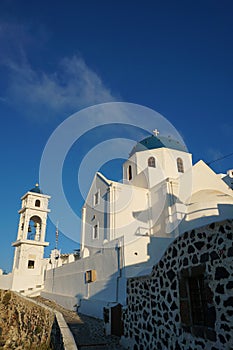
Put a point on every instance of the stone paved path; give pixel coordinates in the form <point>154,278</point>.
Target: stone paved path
<point>88,331</point>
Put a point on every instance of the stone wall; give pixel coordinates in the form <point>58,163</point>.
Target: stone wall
<point>23,324</point>
<point>163,310</point>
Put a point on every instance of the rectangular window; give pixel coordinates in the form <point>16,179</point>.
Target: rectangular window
<point>96,198</point>
<point>90,276</point>
<point>197,310</point>
<point>197,299</point>
<point>31,264</point>
<point>95,231</point>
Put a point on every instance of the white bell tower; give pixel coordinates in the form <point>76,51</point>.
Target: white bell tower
<point>29,263</point>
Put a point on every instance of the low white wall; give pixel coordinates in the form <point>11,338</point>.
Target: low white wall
<point>6,281</point>
<point>66,301</point>
<point>67,286</point>
<point>92,307</point>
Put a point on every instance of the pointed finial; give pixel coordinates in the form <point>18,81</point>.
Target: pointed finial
<point>156,132</point>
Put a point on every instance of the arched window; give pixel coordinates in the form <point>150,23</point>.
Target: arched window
<point>151,162</point>
<point>37,203</point>
<point>34,228</point>
<point>129,172</point>
<point>95,231</point>
<point>180,165</point>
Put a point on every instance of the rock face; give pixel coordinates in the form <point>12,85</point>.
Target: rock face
<point>187,301</point>
<point>23,324</point>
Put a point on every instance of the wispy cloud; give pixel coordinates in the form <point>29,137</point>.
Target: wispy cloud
<point>40,94</point>
<point>73,86</point>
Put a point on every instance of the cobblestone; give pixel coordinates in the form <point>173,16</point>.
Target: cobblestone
<point>88,331</point>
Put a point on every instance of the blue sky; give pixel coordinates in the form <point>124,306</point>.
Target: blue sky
<point>58,57</point>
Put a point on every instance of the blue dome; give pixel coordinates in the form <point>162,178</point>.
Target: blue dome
<point>154,142</point>
<point>36,189</point>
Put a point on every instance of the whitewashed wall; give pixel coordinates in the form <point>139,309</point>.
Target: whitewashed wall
<point>66,284</point>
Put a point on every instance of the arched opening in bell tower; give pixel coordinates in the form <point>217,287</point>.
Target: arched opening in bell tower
<point>34,228</point>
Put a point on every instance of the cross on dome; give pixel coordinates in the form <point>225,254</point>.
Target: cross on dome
<point>156,132</point>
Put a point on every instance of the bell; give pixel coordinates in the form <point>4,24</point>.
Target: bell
<point>29,229</point>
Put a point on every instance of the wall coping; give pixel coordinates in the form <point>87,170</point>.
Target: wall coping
<point>67,336</point>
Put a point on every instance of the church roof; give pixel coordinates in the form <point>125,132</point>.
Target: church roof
<point>154,142</point>
<point>36,189</point>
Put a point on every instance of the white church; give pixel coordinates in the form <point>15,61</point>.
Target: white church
<point>126,227</point>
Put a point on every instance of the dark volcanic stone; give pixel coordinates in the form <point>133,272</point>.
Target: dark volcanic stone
<point>145,315</point>
<point>174,306</point>
<point>149,327</point>
<point>220,289</point>
<point>214,255</point>
<point>229,285</point>
<point>173,286</point>
<point>225,327</point>
<point>191,249</point>
<point>153,289</point>
<point>230,251</point>
<point>169,298</point>
<point>195,259</point>
<point>230,313</point>
<point>220,273</point>
<point>147,336</point>
<point>202,344</point>
<point>220,241</point>
<point>165,343</point>
<point>199,245</point>
<point>212,226</point>
<point>222,339</point>
<point>174,252</point>
<point>177,346</point>
<point>163,293</point>
<point>223,318</point>
<point>204,257</point>
<point>229,235</point>
<point>161,264</point>
<point>192,234</point>
<point>228,302</point>
<point>164,306</point>
<point>171,275</point>
<point>221,229</point>
<point>185,261</point>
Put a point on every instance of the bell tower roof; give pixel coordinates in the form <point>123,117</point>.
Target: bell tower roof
<point>36,189</point>
<point>155,142</point>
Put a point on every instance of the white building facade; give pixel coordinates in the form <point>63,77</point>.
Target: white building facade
<point>126,227</point>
